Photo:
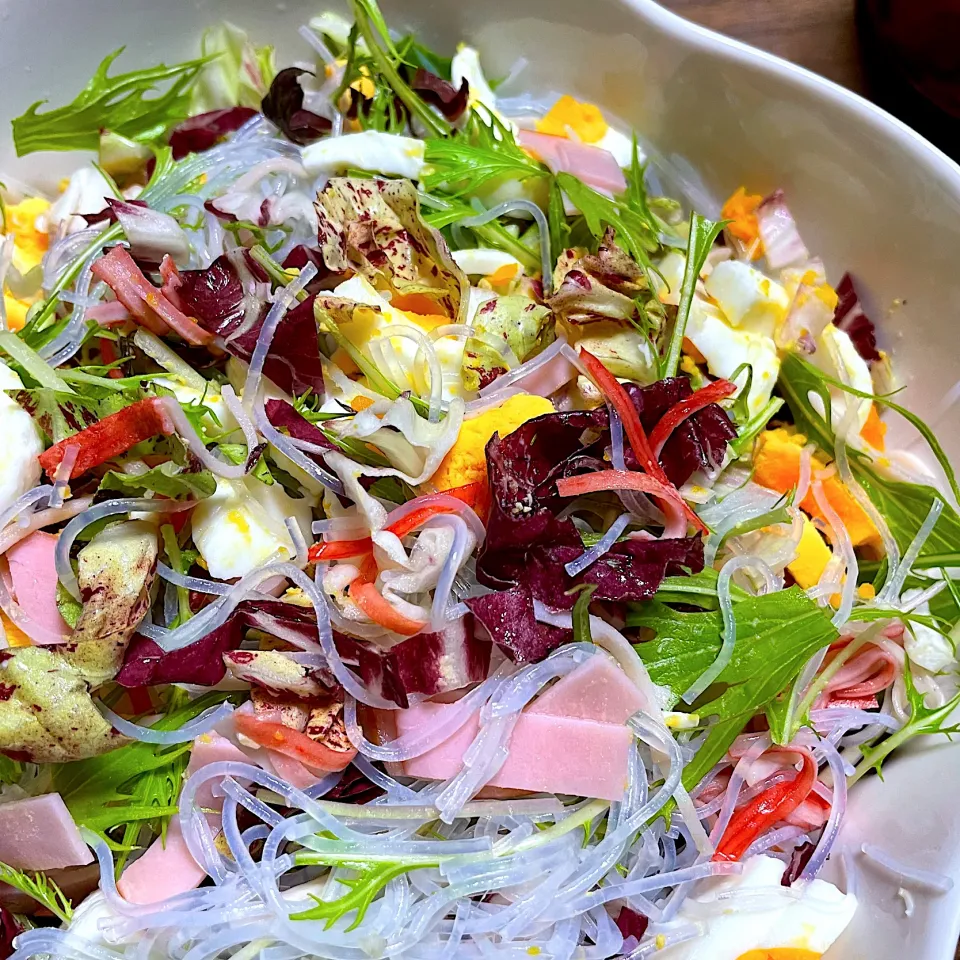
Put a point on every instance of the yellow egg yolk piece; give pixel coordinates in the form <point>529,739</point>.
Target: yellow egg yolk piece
<point>874,430</point>
<point>813,555</point>
<point>741,210</point>
<point>781,953</point>
<point>30,245</point>
<point>584,119</point>
<point>466,461</point>
<point>776,462</point>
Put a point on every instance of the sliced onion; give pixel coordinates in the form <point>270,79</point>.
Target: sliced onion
<point>24,501</point>
<point>244,422</point>
<point>92,515</point>
<point>433,393</point>
<point>782,244</point>
<point>601,547</point>
<point>299,543</point>
<point>189,731</point>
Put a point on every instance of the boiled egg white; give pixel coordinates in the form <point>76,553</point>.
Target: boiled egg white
<point>449,350</point>
<point>747,298</point>
<point>483,261</point>
<point>372,150</point>
<point>725,349</point>
<point>22,444</point>
<point>210,397</point>
<point>242,525</point>
<point>806,917</point>
<point>85,192</point>
<point>466,66</point>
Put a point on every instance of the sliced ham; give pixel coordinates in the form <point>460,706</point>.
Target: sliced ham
<point>33,574</point>
<point>595,167</point>
<point>552,754</point>
<point>596,690</point>
<point>119,271</point>
<point>39,834</point>
<point>167,869</point>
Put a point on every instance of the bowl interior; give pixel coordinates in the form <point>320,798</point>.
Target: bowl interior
<point>869,195</point>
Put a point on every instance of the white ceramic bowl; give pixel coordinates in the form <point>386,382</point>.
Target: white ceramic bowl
<point>870,195</point>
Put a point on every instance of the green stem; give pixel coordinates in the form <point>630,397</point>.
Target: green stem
<point>576,820</point>
<point>497,236</point>
<point>417,108</point>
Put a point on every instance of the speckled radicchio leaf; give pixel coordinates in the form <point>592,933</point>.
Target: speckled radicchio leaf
<point>428,663</point>
<point>283,105</point>
<point>850,318</point>
<point>215,296</point>
<point>206,130</point>
<point>146,663</point>
<point>440,93</point>
<point>374,227</point>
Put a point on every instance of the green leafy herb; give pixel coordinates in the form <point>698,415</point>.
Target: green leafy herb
<point>371,878</point>
<point>776,635</point>
<point>635,233</point>
<point>31,363</point>
<point>581,614</point>
<point>903,505</point>
<point>755,425</point>
<point>483,151</point>
<point>135,784</point>
<point>129,104</point>
<point>167,479</point>
<point>41,888</point>
<point>393,489</point>
<point>557,219</point>
<point>923,720</point>
<point>700,240</point>
<point>10,770</point>
<point>386,59</point>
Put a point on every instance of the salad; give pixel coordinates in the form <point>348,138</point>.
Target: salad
<point>422,537</point>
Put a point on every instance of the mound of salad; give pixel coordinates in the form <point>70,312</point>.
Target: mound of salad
<point>422,538</point>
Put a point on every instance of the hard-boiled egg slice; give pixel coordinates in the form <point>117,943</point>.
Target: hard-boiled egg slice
<point>466,66</point>
<point>620,145</point>
<point>241,525</point>
<point>85,192</point>
<point>747,298</point>
<point>449,350</point>
<point>29,248</point>
<point>725,349</point>
<point>19,467</point>
<point>802,920</point>
<point>585,122</point>
<point>837,356</point>
<point>483,262</point>
<point>387,153</point>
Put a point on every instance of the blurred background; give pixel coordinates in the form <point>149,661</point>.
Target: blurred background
<point>903,54</point>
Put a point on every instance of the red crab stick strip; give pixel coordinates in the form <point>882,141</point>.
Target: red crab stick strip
<point>620,401</point>
<point>120,273</point>
<point>111,436</point>
<point>718,390</point>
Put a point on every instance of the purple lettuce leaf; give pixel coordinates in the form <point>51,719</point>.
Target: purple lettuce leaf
<point>699,443</point>
<point>9,929</point>
<point>205,130</point>
<point>214,296</point>
<point>428,663</point>
<point>440,93</point>
<point>283,416</point>
<point>283,105</point>
<point>146,663</point>
<point>508,617</point>
<point>850,318</point>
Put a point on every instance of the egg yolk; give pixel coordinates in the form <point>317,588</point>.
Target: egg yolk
<point>741,210</point>
<point>781,953</point>
<point>30,244</point>
<point>584,119</point>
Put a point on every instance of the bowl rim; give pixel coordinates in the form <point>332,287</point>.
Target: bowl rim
<point>750,56</point>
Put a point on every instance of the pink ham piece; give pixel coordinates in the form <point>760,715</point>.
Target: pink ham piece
<point>39,834</point>
<point>168,869</point>
<point>595,167</point>
<point>33,574</point>
<point>119,271</point>
<point>572,739</point>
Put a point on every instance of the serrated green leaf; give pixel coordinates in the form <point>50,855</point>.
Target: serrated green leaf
<point>167,479</point>
<point>40,888</point>
<point>130,104</point>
